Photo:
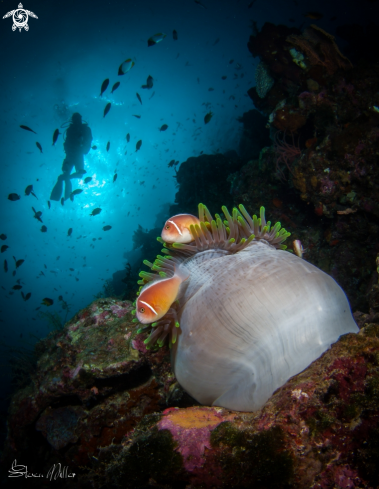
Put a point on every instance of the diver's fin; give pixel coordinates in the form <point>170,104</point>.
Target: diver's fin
<point>57,190</point>
<point>68,189</point>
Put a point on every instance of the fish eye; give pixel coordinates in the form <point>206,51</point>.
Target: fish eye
<point>142,309</point>
<point>167,227</point>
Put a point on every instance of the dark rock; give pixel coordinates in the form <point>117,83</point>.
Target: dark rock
<point>204,179</point>
<point>255,135</point>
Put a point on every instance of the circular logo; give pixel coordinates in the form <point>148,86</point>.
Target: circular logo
<point>20,19</point>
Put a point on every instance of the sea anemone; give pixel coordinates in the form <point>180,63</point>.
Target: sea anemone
<point>251,315</point>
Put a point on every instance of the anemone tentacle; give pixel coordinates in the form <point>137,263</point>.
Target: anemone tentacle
<point>274,235</point>
<point>166,326</point>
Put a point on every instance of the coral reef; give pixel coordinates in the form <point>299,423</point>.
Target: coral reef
<point>111,412</point>
<point>93,382</point>
<point>331,110</point>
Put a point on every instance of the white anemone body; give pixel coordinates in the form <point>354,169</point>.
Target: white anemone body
<point>249,321</point>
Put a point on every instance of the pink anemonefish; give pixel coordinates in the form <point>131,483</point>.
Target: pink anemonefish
<point>177,228</point>
<point>156,298</point>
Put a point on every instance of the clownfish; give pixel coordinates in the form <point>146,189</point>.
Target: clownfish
<point>177,228</point>
<point>156,298</point>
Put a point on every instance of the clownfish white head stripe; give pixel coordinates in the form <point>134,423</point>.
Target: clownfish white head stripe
<point>150,307</point>
<point>177,227</point>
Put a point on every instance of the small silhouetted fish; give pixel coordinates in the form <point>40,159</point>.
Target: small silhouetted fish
<point>62,201</point>
<point>55,136</point>
<point>208,117</point>
<point>155,39</point>
<point>95,211</point>
<point>47,302</point>
<point>69,232</point>
<point>108,145</point>
<point>127,137</point>
<point>94,147</point>
<point>125,66</point>
<point>231,61</point>
<point>5,266</point>
<point>17,287</point>
<point>43,229</point>
<point>3,236</point>
<point>251,4</point>
<point>13,197</point>
<point>138,145</point>
<point>114,177</point>
<point>137,116</point>
<point>149,83</point>
<point>27,296</point>
<point>163,127</point>
<point>115,86</point>
<point>224,77</point>
<point>107,109</point>
<point>174,35</point>
<point>39,146</point>
<point>107,228</point>
<point>104,86</point>
<point>37,215</point>
<point>14,273</point>
<point>216,41</point>
<point>27,129</point>
<point>48,204</point>
<point>87,179</point>
<point>139,98</point>
<point>29,190</point>
<point>72,270</point>
<point>19,263</point>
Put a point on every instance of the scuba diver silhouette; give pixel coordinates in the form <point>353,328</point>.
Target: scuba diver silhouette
<point>77,143</point>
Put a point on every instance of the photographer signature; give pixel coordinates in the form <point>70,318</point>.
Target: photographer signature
<point>55,472</point>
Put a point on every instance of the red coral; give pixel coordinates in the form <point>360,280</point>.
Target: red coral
<point>285,153</point>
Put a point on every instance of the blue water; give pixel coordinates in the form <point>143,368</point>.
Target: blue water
<point>57,68</point>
